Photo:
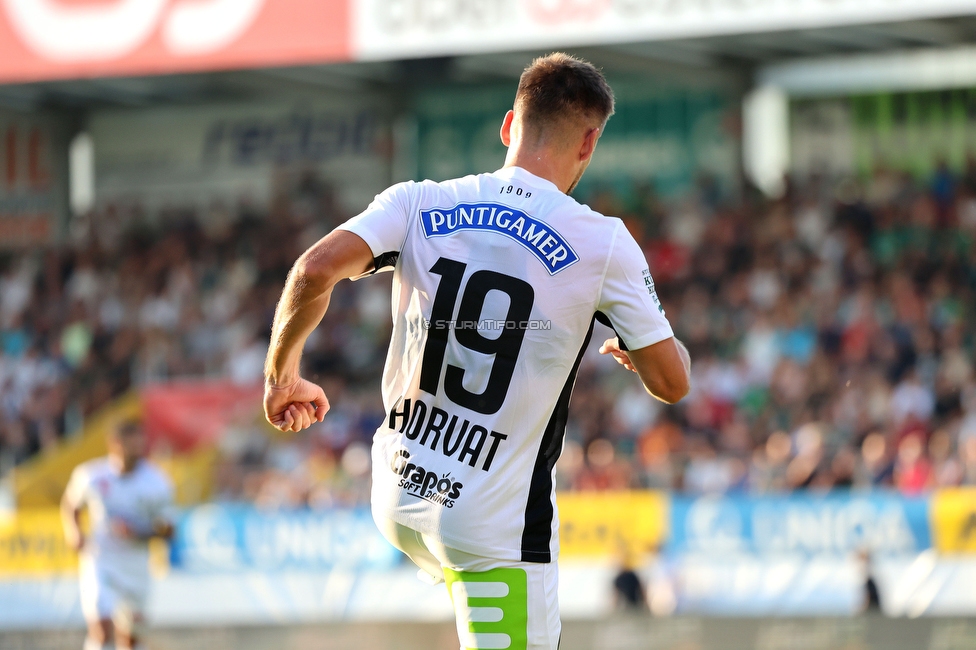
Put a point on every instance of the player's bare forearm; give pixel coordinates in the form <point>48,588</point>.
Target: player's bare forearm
<point>165,530</point>
<point>302,306</point>
<point>664,368</point>
<point>161,529</point>
<point>290,402</point>
<point>71,521</point>
<point>305,299</point>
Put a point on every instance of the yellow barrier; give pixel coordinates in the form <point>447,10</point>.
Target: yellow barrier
<point>32,543</point>
<point>611,524</point>
<point>192,474</point>
<point>41,482</point>
<point>953,519</point>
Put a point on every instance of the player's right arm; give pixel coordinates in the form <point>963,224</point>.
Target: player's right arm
<point>290,402</point>
<point>72,503</point>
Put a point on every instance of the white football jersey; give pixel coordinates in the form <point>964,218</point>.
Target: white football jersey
<point>138,498</point>
<point>498,279</point>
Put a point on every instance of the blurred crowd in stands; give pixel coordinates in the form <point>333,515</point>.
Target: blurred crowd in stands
<point>832,337</point>
<point>831,333</point>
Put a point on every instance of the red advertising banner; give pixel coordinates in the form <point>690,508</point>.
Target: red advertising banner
<point>187,414</point>
<point>60,39</point>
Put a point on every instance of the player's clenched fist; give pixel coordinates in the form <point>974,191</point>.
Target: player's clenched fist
<point>296,406</point>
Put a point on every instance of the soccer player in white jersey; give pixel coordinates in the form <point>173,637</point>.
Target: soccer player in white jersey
<point>128,501</point>
<point>497,281</point>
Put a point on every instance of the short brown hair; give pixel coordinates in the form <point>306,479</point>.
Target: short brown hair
<point>126,428</point>
<point>560,86</point>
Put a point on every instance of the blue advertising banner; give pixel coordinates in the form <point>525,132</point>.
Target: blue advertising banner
<point>240,538</point>
<point>831,524</point>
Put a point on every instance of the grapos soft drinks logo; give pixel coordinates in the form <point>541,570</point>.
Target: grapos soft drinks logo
<point>100,31</point>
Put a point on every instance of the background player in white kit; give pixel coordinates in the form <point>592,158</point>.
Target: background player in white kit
<point>128,501</point>
<point>498,279</point>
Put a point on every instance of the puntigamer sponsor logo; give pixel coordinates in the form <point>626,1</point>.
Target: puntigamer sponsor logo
<point>538,237</point>
<point>425,484</point>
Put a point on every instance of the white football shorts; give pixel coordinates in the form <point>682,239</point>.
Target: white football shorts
<point>498,604</point>
<point>112,594</point>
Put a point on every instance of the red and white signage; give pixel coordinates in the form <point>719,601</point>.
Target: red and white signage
<point>54,39</point>
<point>384,29</point>
<point>28,188</point>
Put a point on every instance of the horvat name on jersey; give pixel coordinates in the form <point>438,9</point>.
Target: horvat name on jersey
<point>454,437</point>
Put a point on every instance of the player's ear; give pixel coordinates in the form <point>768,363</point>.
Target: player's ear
<point>506,130</point>
<point>589,143</point>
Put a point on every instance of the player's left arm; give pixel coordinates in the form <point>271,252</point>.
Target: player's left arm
<point>645,342</point>
<point>664,367</point>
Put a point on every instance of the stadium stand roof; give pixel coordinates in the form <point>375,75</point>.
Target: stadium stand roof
<point>735,58</point>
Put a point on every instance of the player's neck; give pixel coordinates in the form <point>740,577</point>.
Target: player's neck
<point>543,164</point>
<point>122,466</point>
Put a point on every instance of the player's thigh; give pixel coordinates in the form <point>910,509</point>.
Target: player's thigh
<point>129,616</point>
<point>411,544</point>
<point>513,606</point>
<point>129,629</point>
<point>100,633</point>
<point>99,597</point>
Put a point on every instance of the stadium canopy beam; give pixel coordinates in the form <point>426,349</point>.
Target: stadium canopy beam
<point>906,70</point>
<point>854,38</point>
<point>685,53</point>
<point>921,32</point>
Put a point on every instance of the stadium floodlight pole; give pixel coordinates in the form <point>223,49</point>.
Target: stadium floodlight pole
<point>477,389</point>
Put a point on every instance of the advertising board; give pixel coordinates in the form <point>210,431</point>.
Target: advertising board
<point>611,524</point>
<point>833,524</point>
<point>217,538</point>
<point>32,544</point>
<point>954,520</point>
<point>58,39</point>
<point>30,177</point>
<point>384,29</point>
<point>231,153</point>
<point>53,39</point>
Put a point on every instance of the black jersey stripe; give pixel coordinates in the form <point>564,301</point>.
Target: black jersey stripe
<point>603,319</point>
<point>385,261</point>
<point>539,508</point>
